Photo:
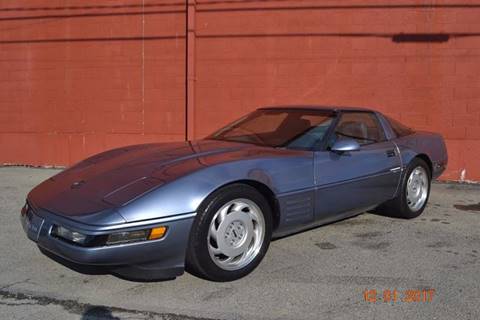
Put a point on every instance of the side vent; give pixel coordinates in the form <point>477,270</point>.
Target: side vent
<point>298,207</point>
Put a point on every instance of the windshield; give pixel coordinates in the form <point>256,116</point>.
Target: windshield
<point>297,129</point>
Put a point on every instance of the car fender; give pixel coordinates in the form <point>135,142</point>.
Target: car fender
<point>184,194</point>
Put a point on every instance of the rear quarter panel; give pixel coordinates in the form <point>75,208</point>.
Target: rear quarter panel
<point>424,143</point>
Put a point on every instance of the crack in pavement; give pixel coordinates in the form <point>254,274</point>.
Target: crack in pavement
<point>80,308</point>
<point>14,284</point>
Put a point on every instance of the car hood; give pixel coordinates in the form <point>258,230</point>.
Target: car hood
<point>113,178</point>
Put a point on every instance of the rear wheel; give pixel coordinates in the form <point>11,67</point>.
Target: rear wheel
<point>230,235</point>
<point>413,194</point>
<point>417,189</point>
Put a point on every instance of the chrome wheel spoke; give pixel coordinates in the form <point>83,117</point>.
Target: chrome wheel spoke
<point>223,213</point>
<point>240,206</point>
<point>253,217</point>
<point>228,260</point>
<point>214,250</point>
<point>213,232</point>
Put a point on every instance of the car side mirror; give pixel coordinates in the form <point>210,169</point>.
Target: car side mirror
<point>345,145</point>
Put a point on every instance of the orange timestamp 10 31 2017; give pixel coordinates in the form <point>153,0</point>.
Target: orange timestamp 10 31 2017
<point>394,295</point>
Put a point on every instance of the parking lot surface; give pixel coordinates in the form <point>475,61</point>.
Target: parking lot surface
<point>426,268</point>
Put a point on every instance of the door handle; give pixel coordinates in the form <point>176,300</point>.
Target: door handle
<point>390,153</point>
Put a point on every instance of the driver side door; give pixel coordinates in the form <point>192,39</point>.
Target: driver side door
<point>352,182</point>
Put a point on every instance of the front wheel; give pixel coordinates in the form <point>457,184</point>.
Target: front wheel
<point>230,234</point>
<point>413,192</point>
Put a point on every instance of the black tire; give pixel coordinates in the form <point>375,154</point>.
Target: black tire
<point>198,259</point>
<point>398,207</point>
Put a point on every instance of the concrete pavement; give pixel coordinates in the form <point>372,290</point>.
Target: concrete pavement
<point>319,274</point>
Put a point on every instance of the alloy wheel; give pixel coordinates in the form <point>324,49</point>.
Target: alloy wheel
<point>236,234</point>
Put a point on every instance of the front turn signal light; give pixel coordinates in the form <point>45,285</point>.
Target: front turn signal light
<point>157,233</point>
<point>136,235</point>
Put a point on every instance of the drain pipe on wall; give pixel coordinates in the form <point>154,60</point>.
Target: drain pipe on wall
<point>190,70</point>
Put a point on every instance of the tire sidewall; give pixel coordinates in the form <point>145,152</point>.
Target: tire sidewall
<point>198,245</point>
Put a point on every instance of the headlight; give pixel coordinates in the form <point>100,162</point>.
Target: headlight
<point>69,235</point>
<point>107,239</point>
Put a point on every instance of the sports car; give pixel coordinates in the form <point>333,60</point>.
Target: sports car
<point>212,206</point>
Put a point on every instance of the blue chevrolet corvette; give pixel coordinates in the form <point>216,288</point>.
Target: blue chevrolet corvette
<point>212,206</point>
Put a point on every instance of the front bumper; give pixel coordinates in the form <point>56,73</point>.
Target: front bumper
<point>163,257</point>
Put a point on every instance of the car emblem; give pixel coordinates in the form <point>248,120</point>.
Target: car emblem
<point>77,184</point>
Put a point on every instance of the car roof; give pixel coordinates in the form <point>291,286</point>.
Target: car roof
<point>318,107</point>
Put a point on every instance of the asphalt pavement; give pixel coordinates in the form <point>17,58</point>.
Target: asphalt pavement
<point>366,267</point>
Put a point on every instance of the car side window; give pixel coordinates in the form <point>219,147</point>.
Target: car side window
<point>363,127</point>
<point>399,129</point>
<point>318,127</point>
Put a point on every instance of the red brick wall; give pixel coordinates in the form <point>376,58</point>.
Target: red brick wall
<point>62,100</point>
<point>76,77</point>
<point>342,53</point>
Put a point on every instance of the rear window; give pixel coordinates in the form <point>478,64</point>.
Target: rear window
<point>399,129</point>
